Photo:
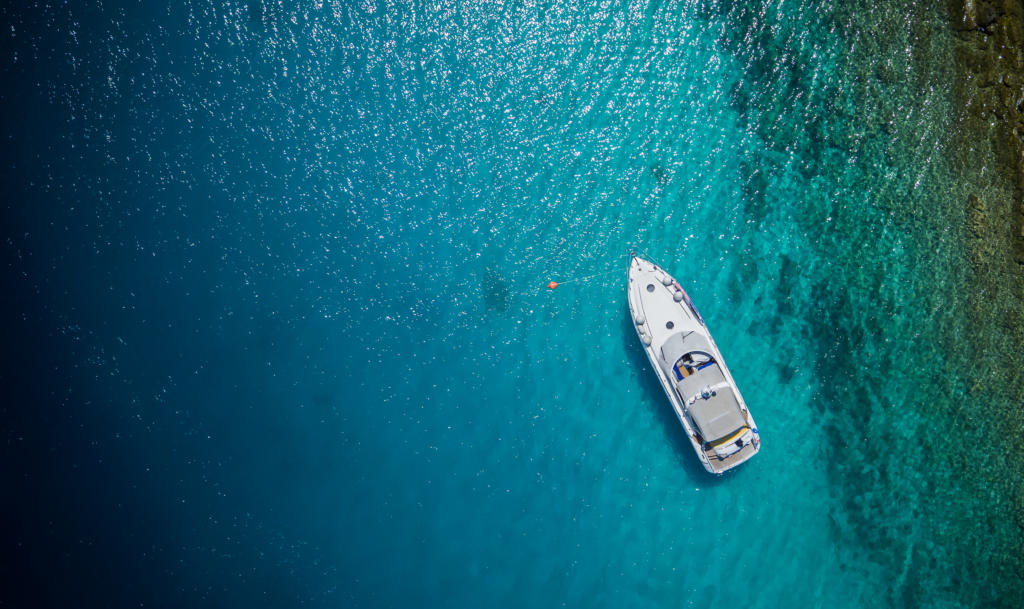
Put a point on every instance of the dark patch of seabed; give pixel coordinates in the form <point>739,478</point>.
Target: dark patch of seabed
<point>495,291</point>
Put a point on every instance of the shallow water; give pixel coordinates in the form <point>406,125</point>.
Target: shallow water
<point>279,281</point>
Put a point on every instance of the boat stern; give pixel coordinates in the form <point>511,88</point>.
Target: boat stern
<point>722,461</point>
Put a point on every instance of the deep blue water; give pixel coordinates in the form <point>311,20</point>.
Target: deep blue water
<point>278,331</point>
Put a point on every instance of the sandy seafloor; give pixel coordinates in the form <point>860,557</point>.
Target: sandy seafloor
<point>277,332</point>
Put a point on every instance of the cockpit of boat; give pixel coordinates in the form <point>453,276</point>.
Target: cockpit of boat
<point>692,363</point>
<point>708,398</point>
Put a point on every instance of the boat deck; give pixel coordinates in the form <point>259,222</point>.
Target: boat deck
<point>720,465</point>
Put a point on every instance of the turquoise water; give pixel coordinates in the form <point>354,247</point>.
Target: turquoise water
<point>280,270</point>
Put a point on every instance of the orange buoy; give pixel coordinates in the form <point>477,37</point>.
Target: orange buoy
<point>552,285</point>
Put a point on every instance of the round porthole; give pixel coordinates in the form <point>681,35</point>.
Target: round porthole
<point>650,287</point>
<point>670,325</point>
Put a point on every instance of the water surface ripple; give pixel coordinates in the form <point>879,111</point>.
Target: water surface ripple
<point>276,277</point>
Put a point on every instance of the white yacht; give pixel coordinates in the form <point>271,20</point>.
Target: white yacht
<point>691,369</point>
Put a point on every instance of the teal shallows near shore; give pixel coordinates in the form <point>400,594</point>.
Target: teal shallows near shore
<point>278,278</point>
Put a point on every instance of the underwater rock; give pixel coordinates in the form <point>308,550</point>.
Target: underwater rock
<point>975,15</point>
<point>661,175</point>
<point>886,74</point>
<point>978,250</point>
<point>990,58</point>
<point>975,216</point>
<point>495,291</point>
<point>1018,242</point>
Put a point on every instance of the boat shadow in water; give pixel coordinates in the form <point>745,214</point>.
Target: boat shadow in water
<point>673,430</point>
